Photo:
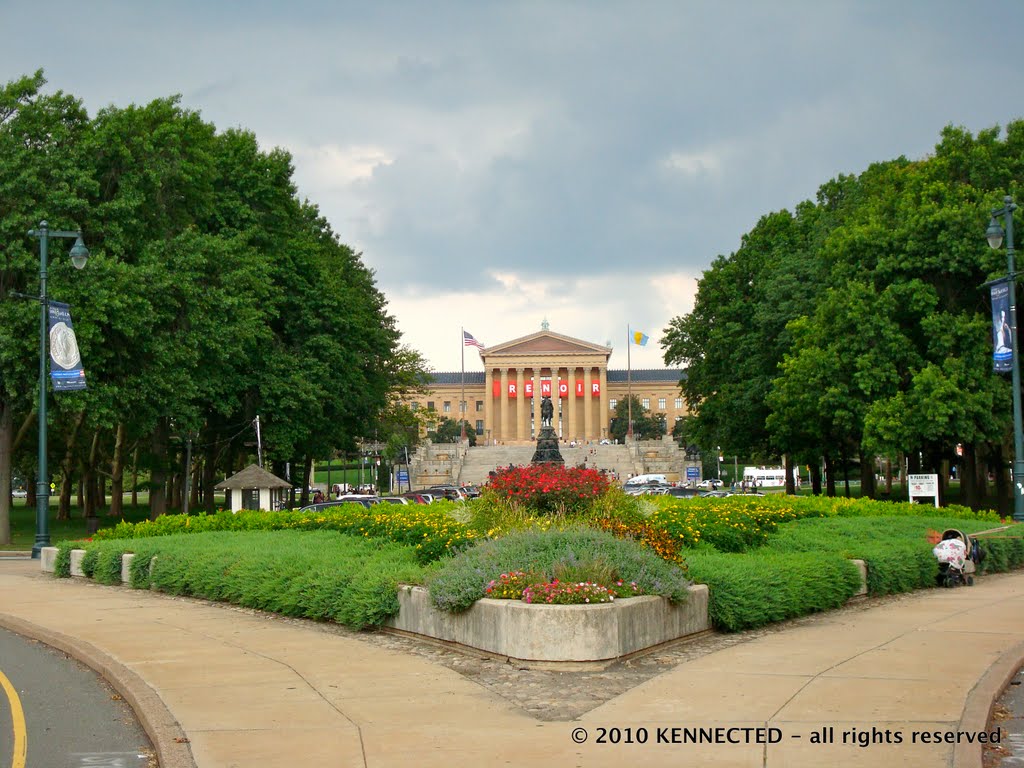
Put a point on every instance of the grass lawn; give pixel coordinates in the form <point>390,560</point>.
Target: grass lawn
<point>23,522</point>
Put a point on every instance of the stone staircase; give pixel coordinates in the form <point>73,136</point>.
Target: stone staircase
<point>480,460</point>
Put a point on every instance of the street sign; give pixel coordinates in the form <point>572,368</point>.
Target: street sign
<point>693,473</point>
<point>923,485</point>
<point>403,476</point>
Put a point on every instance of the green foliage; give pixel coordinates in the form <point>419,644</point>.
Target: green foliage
<point>450,431</point>
<point>316,575</point>
<point>755,589</point>
<point>429,529</point>
<point>645,426</point>
<point>463,579</point>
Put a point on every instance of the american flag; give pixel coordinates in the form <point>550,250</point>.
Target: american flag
<point>469,341</point>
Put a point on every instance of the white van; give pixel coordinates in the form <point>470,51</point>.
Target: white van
<point>645,479</point>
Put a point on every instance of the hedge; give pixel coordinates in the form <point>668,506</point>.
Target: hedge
<point>757,588</point>
<point>316,575</point>
<point>429,529</point>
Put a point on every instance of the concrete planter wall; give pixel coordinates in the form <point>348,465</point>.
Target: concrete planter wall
<point>556,632</point>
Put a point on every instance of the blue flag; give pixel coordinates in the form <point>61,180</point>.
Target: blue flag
<point>1002,338</point>
<point>65,360</point>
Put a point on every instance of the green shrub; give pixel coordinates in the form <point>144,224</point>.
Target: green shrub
<point>460,581</point>
<point>896,550</point>
<point>757,588</point>
<point>317,575</point>
<point>431,530</point>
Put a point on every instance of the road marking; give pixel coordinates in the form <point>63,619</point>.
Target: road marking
<point>18,721</point>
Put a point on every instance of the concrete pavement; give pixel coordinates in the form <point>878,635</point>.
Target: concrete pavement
<point>229,688</point>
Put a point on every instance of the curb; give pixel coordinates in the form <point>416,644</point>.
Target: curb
<point>980,702</point>
<point>168,737</point>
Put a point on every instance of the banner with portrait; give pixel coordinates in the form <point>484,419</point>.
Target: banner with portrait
<point>65,360</point>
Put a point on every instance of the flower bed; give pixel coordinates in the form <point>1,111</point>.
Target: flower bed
<point>429,528</point>
<point>549,488</point>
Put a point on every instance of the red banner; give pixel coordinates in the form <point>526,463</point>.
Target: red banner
<point>496,388</point>
<point>545,388</point>
<point>579,388</point>
<point>527,389</point>
<point>563,388</point>
<point>512,390</point>
<point>595,388</point>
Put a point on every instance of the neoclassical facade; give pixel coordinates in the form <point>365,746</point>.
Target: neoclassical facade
<point>503,402</point>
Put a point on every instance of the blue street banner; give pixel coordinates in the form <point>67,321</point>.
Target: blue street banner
<point>1002,341</point>
<point>65,360</point>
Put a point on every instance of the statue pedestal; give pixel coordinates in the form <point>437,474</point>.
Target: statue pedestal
<point>547,448</point>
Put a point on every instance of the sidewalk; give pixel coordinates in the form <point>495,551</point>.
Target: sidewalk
<point>253,690</point>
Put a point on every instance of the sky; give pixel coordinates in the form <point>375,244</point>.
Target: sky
<point>499,164</point>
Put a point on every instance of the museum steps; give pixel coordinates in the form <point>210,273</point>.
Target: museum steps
<point>482,459</point>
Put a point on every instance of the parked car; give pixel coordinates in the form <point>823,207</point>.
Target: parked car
<point>716,494</point>
<point>19,493</point>
<point>450,492</point>
<point>710,483</point>
<point>366,501</point>
<point>417,497</point>
<point>394,500</point>
<point>683,493</point>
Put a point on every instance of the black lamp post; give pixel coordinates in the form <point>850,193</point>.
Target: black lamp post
<point>995,239</point>
<point>79,255</point>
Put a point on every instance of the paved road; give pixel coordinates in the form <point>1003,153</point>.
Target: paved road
<point>55,712</point>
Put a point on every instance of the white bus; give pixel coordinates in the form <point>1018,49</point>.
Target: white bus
<point>765,477</point>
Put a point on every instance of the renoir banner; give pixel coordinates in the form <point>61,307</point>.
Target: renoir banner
<point>65,360</point>
<point>1002,354</point>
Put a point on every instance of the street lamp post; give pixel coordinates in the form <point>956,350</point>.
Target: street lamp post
<point>79,254</point>
<point>995,239</point>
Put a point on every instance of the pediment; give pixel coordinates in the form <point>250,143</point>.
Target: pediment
<point>546,342</point>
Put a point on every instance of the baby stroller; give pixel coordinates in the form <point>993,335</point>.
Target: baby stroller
<point>958,555</point>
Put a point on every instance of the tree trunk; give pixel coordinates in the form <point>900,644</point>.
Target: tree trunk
<point>790,465</point>
<point>969,477</point>
<point>307,470</point>
<point>209,474</point>
<point>67,469</point>
<point>867,476</point>
<point>830,476</point>
<point>158,471</point>
<point>816,478</point>
<point>6,444</point>
<point>1002,483</point>
<point>888,477</point>
<point>846,469</point>
<point>117,473</point>
<point>135,477</point>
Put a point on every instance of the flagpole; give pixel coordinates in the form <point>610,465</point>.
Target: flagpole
<point>629,384</point>
<point>462,416</point>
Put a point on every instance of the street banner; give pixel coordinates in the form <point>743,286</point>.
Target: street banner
<point>1002,340</point>
<point>65,360</point>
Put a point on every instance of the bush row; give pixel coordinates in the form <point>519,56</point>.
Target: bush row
<point>754,589</point>
<point>314,575</point>
<point>896,549</point>
<point>431,530</point>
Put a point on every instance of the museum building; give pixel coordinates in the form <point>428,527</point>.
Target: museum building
<point>502,402</point>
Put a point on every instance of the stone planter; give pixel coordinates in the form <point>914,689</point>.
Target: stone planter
<point>556,632</point>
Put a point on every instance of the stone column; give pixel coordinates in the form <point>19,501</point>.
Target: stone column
<point>588,405</point>
<point>522,433</point>
<point>602,423</point>
<point>488,403</point>
<point>504,404</point>
<point>573,432</point>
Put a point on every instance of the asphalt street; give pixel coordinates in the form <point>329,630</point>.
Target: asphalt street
<point>57,713</point>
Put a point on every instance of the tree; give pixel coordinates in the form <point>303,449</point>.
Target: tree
<point>450,431</point>
<point>645,426</point>
<point>42,176</point>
